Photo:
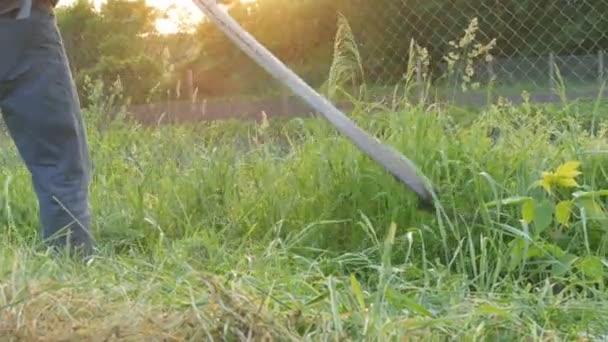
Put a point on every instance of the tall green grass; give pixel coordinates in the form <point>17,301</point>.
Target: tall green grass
<point>285,231</point>
<point>242,231</point>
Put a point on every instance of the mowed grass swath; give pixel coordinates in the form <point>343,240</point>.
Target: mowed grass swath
<point>283,230</point>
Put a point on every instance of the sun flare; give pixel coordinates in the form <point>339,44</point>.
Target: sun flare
<point>178,11</point>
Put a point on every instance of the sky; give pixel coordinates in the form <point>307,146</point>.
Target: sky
<point>177,9</point>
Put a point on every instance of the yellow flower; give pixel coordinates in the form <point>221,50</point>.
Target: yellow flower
<point>564,176</point>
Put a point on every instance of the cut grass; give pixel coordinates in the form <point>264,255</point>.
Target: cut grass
<point>232,231</point>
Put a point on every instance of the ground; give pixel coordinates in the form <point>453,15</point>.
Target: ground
<point>242,231</point>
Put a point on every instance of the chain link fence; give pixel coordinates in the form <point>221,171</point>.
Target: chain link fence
<point>534,44</point>
<point>464,49</point>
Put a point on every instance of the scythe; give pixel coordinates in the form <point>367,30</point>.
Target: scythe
<point>394,162</point>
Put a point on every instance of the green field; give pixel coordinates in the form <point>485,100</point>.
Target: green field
<point>237,231</point>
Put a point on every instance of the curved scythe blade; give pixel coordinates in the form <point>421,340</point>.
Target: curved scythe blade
<point>393,161</point>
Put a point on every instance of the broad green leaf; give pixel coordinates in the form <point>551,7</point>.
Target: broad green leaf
<point>593,210</point>
<point>519,252</point>
<point>591,267</point>
<point>534,251</point>
<point>543,215</point>
<point>563,265</point>
<point>537,194</point>
<point>528,210</point>
<point>554,250</point>
<point>563,211</point>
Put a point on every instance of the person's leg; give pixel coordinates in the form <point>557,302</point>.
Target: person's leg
<point>42,112</point>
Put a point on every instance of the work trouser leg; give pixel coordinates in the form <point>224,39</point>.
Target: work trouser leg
<point>42,112</point>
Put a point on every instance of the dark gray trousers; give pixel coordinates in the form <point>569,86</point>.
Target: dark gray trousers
<point>41,109</point>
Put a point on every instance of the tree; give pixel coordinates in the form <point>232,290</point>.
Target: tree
<point>111,44</point>
<point>121,40</point>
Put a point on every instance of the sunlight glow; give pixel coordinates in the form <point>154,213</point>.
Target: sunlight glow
<point>178,11</point>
